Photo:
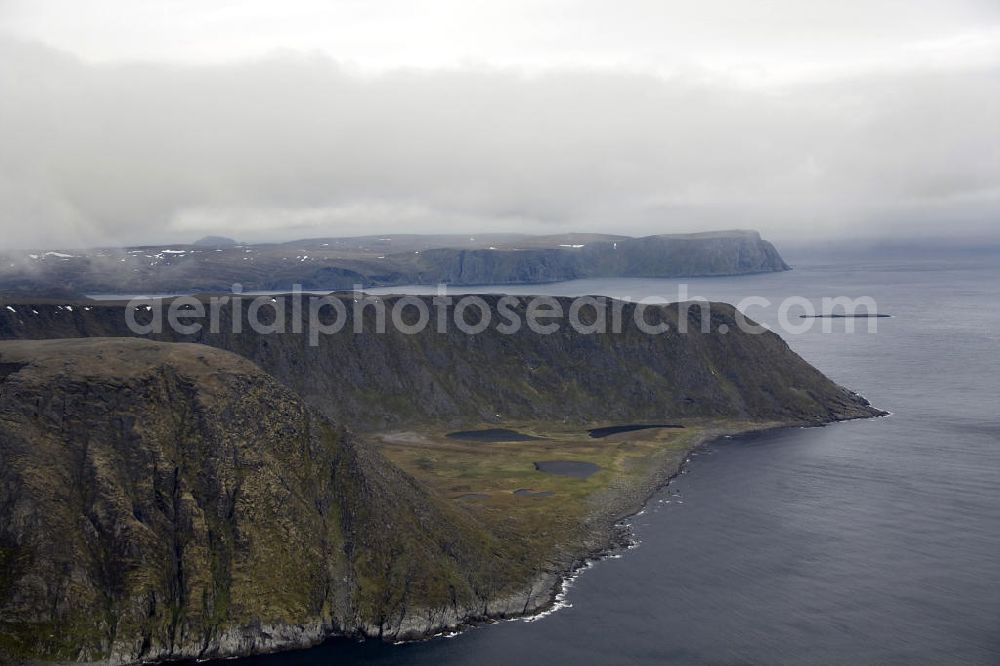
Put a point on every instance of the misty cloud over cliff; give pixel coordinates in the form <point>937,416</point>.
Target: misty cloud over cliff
<point>294,144</point>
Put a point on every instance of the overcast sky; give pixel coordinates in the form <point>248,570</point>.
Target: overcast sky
<point>131,121</point>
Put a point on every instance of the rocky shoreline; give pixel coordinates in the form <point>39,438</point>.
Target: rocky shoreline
<point>190,490</point>
<point>610,537</point>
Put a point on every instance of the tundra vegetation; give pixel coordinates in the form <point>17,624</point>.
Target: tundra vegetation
<point>215,494</point>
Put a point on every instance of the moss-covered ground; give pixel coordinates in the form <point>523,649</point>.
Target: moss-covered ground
<point>564,515</point>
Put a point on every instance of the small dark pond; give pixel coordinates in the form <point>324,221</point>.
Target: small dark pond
<point>492,435</point>
<point>597,433</point>
<point>576,468</point>
<point>528,492</point>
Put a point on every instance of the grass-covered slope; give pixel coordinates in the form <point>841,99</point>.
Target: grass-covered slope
<point>161,499</point>
<point>165,501</point>
<point>376,380</point>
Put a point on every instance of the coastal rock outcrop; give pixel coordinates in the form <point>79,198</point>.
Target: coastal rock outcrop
<point>688,255</point>
<point>341,263</point>
<point>373,380</point>
<point>167,501</point>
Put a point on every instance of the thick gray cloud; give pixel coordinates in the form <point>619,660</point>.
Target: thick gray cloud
<point>293,144</point>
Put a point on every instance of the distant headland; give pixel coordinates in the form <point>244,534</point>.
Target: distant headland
<point>215,263</point>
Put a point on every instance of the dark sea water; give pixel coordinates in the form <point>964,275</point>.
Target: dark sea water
<point>870,542</point>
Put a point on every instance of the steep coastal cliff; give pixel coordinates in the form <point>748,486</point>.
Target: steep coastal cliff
<point>164,500</point>
<point>376,380</point>
<point>728,253</point>
<point>342,263</point>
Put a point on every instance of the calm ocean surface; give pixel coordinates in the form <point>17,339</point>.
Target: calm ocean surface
<point>866,542</point>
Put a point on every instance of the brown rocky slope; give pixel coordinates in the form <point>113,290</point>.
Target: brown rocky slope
<point>163,501</point>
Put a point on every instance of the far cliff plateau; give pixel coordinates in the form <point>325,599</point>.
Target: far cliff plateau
<point>215,264</point>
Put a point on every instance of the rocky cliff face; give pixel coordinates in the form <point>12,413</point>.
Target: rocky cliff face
<point>375,380</point>
<point>730,253</point>
<point>163,501</point>
<point>342,263</point>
